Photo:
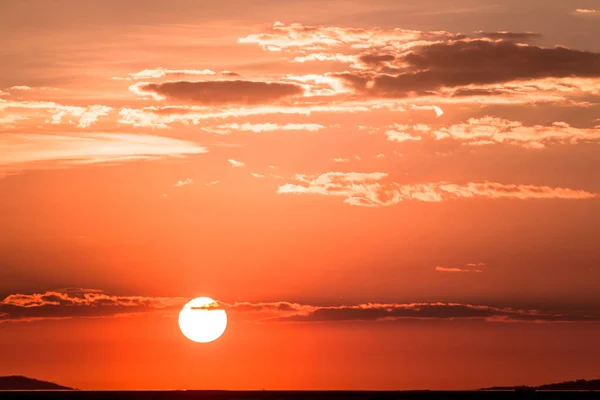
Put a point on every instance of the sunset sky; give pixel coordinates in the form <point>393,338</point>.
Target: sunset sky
<point>382,194</point>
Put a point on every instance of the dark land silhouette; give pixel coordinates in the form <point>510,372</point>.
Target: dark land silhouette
<point>24,383</point>
<point>22,388</point>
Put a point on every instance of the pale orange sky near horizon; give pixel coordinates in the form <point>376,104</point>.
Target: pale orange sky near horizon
<point>382,194</point>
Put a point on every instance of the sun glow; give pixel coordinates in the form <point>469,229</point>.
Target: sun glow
<point>202,321</point>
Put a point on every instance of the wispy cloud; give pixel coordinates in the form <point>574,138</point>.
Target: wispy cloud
<point>20,152</point>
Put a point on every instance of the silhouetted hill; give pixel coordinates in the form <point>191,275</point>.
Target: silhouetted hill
<point>580,384</point>
<point>24,383</point>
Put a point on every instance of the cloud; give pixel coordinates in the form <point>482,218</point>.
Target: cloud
<point>82,117</point>
<point>400,63</point>
<point>22,87</point>
<point>429,311</point>
<point>468,62</point>
<point>88,303</point>
<point>504,35</point>
<point>368,190</point>
<point>491,130</point>
<point>163,117</point>
<point>70,303</point>
<point>471,267</point>
<point>586,11</point>
<point>266,127</point>
<point>212,183</point>
<point>87,115</point>
<point>219,92</point>
<point>438,110</point>
<point>19,152</point>
<point>283,311</point>
<point>396,133</point>
<point>160,72</point>
<point>454,269</point>
<point>184,182</point>
<point>302,37</point>
<point>254,174</point>
<point>237,164</point>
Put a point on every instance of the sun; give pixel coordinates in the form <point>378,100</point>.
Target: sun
<point>202,321</point>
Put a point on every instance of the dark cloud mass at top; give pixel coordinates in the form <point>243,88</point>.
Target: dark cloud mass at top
<point>474,62</point>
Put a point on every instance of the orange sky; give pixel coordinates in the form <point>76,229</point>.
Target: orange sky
<point>382,194</point>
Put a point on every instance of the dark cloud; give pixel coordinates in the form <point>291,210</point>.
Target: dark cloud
<point>223,92</point>
<point>446,311</point>
<point>475,62</point>
<point>68,303</point>
<point>71,303</point>
<point>376,59</point>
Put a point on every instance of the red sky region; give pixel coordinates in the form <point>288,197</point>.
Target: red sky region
<point>382,195</point>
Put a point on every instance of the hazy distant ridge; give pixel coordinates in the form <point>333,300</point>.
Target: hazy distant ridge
<point>24,383</point>
<point>580,384</point>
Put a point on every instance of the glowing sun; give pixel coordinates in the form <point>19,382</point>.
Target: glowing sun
<point>202,321</point>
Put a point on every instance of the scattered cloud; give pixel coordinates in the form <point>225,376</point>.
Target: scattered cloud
<point>586,11</point>
<point>369,190</point>
<point>237,164</point>
<point>80,116</point>
<point>396,133</point>
<point>184,182</point>
<point>474,265</point>
<point>341,160</point>
<point>491,130</point>
<point>254,174</point>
